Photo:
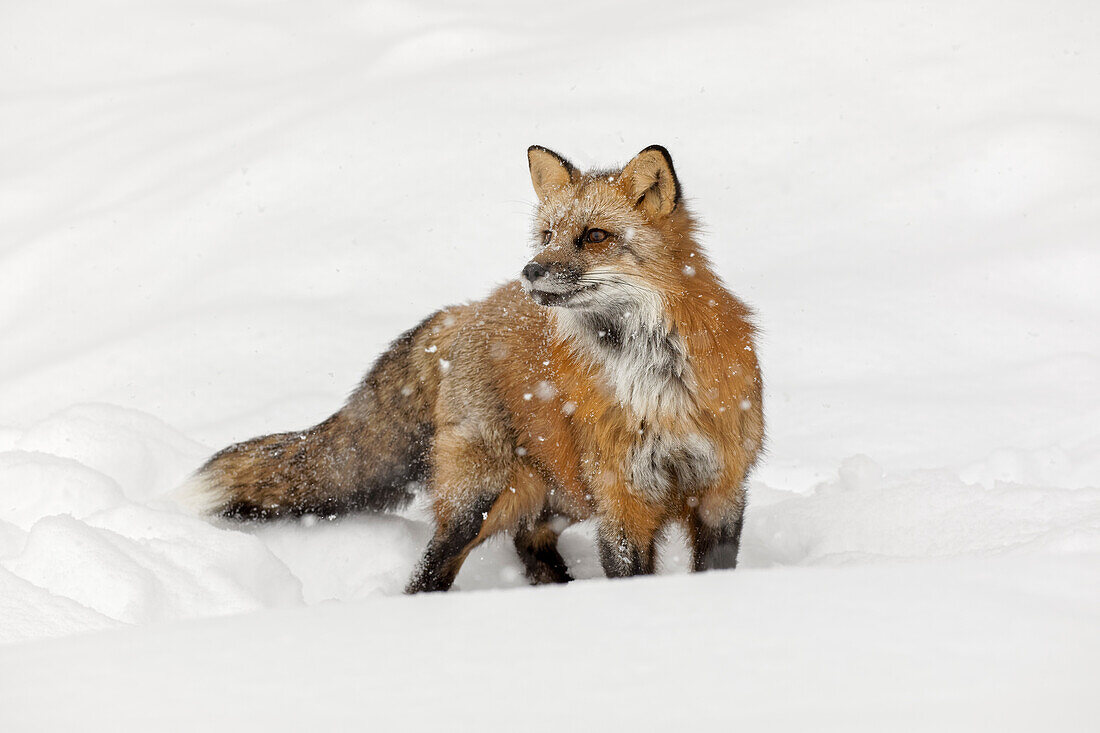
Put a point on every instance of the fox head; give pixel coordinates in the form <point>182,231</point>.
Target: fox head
<point>606,239</point>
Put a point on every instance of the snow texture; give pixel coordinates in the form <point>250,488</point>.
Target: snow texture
<point>215,216</point>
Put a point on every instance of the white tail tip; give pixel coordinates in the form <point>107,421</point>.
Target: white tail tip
<point>199,494</point>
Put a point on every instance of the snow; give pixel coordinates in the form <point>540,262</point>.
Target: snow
<point>215,217</point>
<point>496,661</point>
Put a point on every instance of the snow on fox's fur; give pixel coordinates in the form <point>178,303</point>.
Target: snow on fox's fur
<point>617,378</point>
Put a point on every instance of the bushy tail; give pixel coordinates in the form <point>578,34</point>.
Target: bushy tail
<point>368,456</point>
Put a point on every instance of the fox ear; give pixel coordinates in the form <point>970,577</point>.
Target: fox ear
<point>651,181</point>
<point>548,170</point>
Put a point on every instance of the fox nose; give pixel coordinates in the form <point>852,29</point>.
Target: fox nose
<point>534,271</point>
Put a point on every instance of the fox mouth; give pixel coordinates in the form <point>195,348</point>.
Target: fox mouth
<point>552,298</point>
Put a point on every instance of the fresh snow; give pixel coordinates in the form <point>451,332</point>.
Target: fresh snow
<point>215,216</point>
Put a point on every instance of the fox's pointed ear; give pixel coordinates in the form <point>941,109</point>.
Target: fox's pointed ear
<point>651,181</point>
<point>548,170</point>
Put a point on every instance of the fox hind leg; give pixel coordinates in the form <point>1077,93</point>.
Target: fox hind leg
<point>537,547</point>
<point>489,514</point>
<point>481,490</point>
<point>471,467</point>
<point>453,540</point>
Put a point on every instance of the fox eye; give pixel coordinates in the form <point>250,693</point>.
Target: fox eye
<point>546,238</point>
<point>595,236</point>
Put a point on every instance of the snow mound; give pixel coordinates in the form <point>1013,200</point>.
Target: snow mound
<point>864,515</point>
<point>85,542</point>
<point>91,537</point>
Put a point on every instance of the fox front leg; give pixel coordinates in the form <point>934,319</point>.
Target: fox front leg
<point>715,542</point>
<point>627,536</point>
<point>623,557</point>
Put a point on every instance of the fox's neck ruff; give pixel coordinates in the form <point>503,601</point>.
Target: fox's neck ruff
<point>633,343</point>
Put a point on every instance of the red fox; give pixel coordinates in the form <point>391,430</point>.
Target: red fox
<point>617,379</point>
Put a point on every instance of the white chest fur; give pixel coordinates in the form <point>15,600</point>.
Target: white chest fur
<point>646,368</point>
<point>642,363</point>
<point>660,460</point>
